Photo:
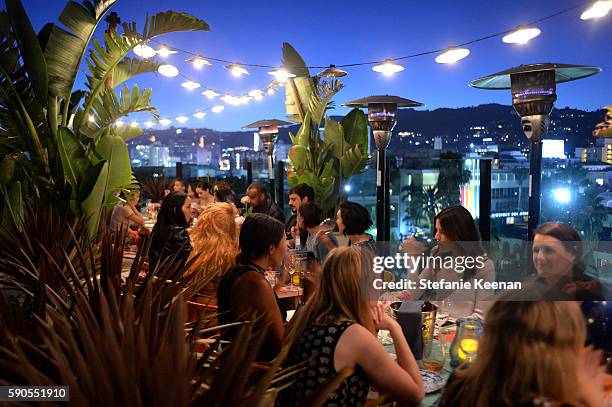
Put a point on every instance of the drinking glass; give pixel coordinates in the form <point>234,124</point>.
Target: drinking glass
<point>436,357</point>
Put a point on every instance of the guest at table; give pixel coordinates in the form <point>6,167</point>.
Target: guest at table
<point>244,293</point>
<point>457,240</point>
<point>299,194</point>
<point>125,215</point>
<point>560,271</point>
<point>223,192</point>
<point>178,185</point>
<point>336,330</point>
<point>309,218</point>
<point>169,239</point>
<point>353,221</point>
<point>261,202</point>
<point>215,246</point>
<point>204,190</point>
<point>195,200</point>
<point>531,354</point>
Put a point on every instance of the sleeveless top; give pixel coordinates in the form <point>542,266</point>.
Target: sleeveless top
<point>225,309</point>
<point>318,345</point>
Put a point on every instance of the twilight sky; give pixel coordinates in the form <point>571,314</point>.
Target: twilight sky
<point>344,32</point>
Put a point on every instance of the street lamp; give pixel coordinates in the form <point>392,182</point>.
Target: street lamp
<point>534,93</point>
<point>268,130</point>
<point>382,112</point>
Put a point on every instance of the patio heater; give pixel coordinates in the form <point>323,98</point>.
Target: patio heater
<point>382,112</point>
<point>268,130</point>
<point>534,94</point>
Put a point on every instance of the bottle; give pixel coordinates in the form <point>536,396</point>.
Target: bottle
<point>298,243</point>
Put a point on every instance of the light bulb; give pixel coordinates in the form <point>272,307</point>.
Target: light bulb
<point>191,85</point>
<point>144,51</point>
<point>237,70</point>
<point>211,94</point>
<point>218,108</point>
<point>388,68</point>
<point>169,71</point>
<point>597,10</point>
<point>149,124</point>
<point>182,119</point>
<point>281,74</point>
<point>452,55</point>
<point>91,118</point>
<point>164,51</point>
<point>199,115</point>
<point>165,122</point>
<point>521,35</point>
<point>271,91</point>
<point>134,124</point>
<point>118,123</point>
<point>198,61</point>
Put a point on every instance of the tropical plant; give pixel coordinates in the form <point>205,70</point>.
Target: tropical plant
<point>154,187</point>
<point>604,129</point>
<point>323,163</point>
<point>77,324</point>
<point>59,145</point>
<point>451,176</point>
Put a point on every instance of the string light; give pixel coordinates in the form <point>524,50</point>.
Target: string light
<point>149,124</point>
<point>118,123</point>
<point>271,91</point>
<point>256,94</point>
<point>597,10</point>
<point>169,71</point>
<point>217,109</point>
<point>191,85</point>
<point>198,61</point>
<point>237,70</point>
<point>211,94</point>
<point>281,74</point>
<point>388,68</point>
<point>452,55</point>
<point>165,122</point>
<point>199,115</point>
<point>144,51</point>
<point>134,124</point>
<point>182,119</point>
<point>91,118</point>
<point>521,35</point>
<point>165,51</point>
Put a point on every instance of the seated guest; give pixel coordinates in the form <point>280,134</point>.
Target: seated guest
<point>244,293</point>
<point>195,200</point>
<point>458,238</point>
<point>223,192</point>
<point>205,194</point>
<point>215,246</point>
<point>336,330</point>
<point>309,218</point>
<point>353,221</point>
<point>126,215</point>
<point>299,194</point>
<point>178,185</point>
<point>262,202</point>
<point>169,237</point>
<point>557,258</point>
<point>531,354</point>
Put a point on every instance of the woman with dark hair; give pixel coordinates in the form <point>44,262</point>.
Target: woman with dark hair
<point>169,239</point>
<point>223,192</point>
<point>244,293</point>
<point>179,185</point>
<point>557,258</point>
<point>204,190</point>
<point>353,221</point>
<point>458,256</point>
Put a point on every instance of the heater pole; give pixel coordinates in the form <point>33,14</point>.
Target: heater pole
<point>271,176</point>
<point>382,196</point>
<point>535,178</point>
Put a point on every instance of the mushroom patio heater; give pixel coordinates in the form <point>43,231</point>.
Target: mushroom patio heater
<point>381,117</point>
<point>268,130</point>
<point>533,97</point>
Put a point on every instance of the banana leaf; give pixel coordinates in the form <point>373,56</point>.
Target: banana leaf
<point>355,125</point>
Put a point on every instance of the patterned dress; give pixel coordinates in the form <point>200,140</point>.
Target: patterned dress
<point>317,345</point>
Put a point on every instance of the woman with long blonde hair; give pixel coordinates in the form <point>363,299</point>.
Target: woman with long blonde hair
<point>531,354</point>
<point>215,247</point>
<point>336,331</point>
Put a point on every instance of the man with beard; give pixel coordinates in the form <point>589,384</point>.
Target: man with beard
<point>261,202</point>
<point>298,195</point>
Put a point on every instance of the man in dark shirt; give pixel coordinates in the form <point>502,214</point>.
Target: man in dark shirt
<point>298,195</point>
<point>262,203</point>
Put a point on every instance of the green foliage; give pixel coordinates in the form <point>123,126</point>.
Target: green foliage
<point>65,156</point>
<point>328,162</point>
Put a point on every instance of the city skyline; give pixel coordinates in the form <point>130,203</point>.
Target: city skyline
<point>330,39</point>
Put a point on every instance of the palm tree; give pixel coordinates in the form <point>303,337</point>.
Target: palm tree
<point>59,146</point>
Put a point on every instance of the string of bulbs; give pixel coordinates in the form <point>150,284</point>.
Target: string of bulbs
<point>519,35</point>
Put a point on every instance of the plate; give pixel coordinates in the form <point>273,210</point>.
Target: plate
<point>431,381</point>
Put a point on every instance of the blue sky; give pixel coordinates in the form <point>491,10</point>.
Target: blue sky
<point>348,32</point>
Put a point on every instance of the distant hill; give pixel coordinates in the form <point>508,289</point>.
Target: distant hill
<point>497,120</point>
